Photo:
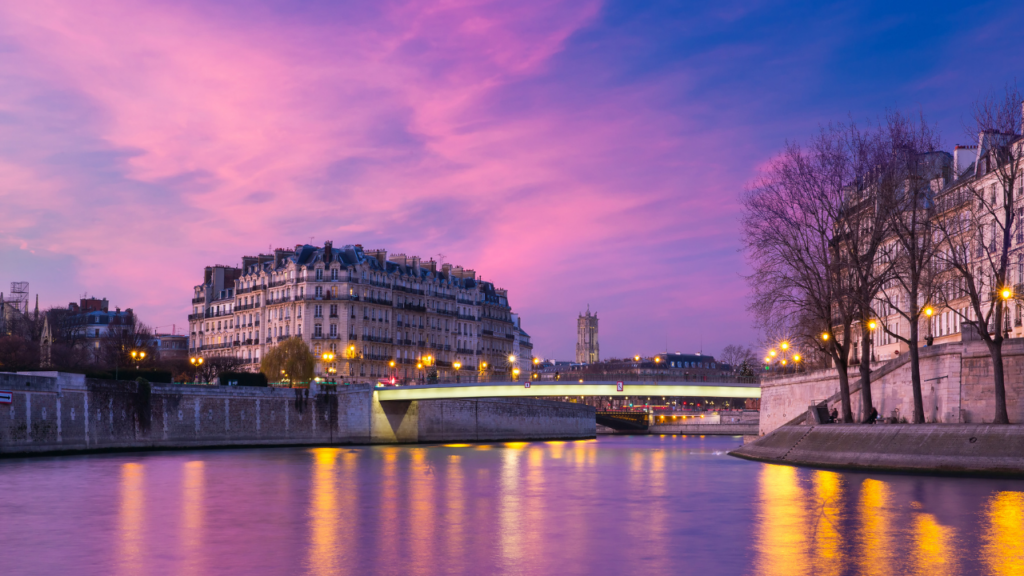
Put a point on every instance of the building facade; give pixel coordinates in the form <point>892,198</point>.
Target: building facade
<point>588,351</point>
<point>966,186</point>
<point>382,317</point>
<point>84,324</point>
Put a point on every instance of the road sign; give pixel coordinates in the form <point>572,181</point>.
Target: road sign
<point>6,397</point>
<point>618,386</point>
<point>526,384</point>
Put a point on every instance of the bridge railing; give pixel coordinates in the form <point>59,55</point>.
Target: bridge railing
<point>571,378</point>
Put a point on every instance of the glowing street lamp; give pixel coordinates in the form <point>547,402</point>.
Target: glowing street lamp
<point>657,359</point>
<point>928,311</point>
<point>824,336</point>
<point>457,365</point>
<point>796,357</point>
<point>1006,293</point>
<point>772,353</point>
<point>137,356</point>
<point>784,345</point>
<point>872,325</point>
<point>511,358</point>
<point>636,358</point>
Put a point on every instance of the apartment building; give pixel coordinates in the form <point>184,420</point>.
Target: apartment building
<point>957,180</point>
<point>380,316</point>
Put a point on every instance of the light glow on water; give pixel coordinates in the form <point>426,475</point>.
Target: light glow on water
<point>617,505</point>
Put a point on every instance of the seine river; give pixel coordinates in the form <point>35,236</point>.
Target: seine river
<point>619,505</point>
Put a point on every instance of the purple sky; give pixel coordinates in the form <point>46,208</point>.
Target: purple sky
<point>573,152</point>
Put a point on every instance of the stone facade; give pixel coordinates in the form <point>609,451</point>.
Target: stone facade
<point>956,382</point>
<point>59,412</point>
<point>588,351</point>
<point>381,316</point>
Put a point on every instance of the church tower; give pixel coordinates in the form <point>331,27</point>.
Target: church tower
<point>587,349</point>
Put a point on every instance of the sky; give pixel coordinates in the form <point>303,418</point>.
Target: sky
<point>578,153</point>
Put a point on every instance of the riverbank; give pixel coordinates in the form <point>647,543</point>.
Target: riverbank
<point>66,413</point>
<point>971,449</point>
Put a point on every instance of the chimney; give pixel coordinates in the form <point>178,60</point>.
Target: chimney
<point>963,157</point>
<point>399,259</point>
<point>416,265</point>
<point>328,252</point>
<point>247,262</point>
<point>432,265</point>
<point>446,269</point>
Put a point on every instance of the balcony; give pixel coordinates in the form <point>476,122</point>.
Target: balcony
<point>199,300</point>
<point>469,317</point>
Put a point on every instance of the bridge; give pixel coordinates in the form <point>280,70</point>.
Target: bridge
<point>568,389</point>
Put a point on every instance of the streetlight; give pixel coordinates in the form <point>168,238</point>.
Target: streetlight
<point>784,345</point>
<point>1006,293</point>
<point>657,359</point>
<point>824,336</point>
<point>196,362</point>
<point>772,353</point>
<point>137,356</point>
<point>511,358</point>
<point>796,357</point>
<point>457,365</point>
<point>636,358</point>
<point>872,325</point>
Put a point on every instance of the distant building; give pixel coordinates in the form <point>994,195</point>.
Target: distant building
<point>587,349</point>
<point>686,366</point>
<point>83,324</point>
<point>169,347</point>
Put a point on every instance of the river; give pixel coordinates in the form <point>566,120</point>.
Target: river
<point>616,505</point>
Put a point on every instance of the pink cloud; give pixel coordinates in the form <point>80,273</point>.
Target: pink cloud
<point>421,129</point>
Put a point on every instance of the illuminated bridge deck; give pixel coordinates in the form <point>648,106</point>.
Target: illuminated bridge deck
<point>552,389</point>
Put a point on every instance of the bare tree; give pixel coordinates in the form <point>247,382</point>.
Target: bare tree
<point>793,222</point>
<point>126,334</point>
<point>738,356</point>
<point>978,215</point>
<point>914,171</point>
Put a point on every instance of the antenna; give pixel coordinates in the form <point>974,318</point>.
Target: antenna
<point>311,240</point>
<point>440,258</point>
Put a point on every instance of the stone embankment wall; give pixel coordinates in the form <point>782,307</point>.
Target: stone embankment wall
<point>961,449</point>
<point>956,381</point>
<point>66,412</point>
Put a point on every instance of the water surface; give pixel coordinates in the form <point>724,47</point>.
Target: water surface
<point>617,505</point>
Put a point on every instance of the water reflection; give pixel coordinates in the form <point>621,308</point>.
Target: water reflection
<point>1004,534</point>
<point>935,551</point>
<point>621,505</point>
<point>323,513</point>
<point>509,520</point>
<point>828,550</point>
<point>193,500</point>
<point>130,517</point>
<point>876,544</point>
<point>782,524</point>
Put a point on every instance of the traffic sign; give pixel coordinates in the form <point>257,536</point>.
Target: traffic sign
<point>526,384</point>
<point>618,386</point>
<point>6,397</point>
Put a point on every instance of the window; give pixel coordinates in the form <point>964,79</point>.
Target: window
<point>318,311</point>
<point>334,274</point>
<point>319,274</point>
<point>334,310</point>
<point>319,291</point>
<point>318,330</point>
<point>334,330</point>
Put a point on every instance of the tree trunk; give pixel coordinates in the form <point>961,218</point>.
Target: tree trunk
<point>865,371</point>
<point>915,375</point>
<point>844,392</point>
<point>995,348</point>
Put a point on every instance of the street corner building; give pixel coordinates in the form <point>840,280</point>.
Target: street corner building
<point>380,316</point>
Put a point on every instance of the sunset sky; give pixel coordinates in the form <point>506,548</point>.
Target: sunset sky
<point>574,153</point>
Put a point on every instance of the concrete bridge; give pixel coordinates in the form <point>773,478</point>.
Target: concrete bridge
<point>567,389</point>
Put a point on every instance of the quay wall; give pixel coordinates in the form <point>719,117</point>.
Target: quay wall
<point>984,449</point>
<point>956,381</point>
<point>56,412</point>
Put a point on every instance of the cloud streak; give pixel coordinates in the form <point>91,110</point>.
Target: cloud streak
<point>573,152</point>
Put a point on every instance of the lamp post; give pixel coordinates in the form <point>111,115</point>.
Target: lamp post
<point>328,357</point>
<point>137,356</point>
<point>196,362</point>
